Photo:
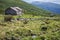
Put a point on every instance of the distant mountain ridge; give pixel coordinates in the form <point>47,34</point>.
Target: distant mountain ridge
<point>53,7</point>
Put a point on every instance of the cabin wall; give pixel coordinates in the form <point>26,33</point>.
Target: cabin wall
<point>19,13</point>
<point>10,12</point>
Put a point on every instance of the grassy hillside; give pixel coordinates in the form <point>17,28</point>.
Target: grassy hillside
<point>45,28</point>
<point>28,9</point>
<point>30,30</point>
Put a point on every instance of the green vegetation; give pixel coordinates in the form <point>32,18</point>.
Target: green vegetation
<point>30,30</point>
<point>43,29</point>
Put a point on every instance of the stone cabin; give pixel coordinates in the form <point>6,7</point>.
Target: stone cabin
<point>13,11</point>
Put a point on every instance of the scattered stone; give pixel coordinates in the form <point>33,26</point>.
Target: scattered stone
<point>25,21</point>
<point>44,28</point>
<point>42,24</point>
<point>18,19</point>
<point>22,26</point>
<point>55,30</point>
<point>54,38</point>
<point>7,38</point>
<point>34,36</point>
<point>42,38</point>
<point>2,24</point>
<point>46,22</point>
<point>15,38</point>
<point>52,15</point>
<point>29,32</point>
<point>57,25</point>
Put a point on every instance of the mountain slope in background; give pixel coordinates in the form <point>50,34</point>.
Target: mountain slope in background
<point>28,9</point>
<point>48,6</point>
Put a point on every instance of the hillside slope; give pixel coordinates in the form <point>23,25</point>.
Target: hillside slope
<point>28,9</point>
<point>30,29</point>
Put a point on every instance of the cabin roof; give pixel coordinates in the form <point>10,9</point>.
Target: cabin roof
<point>16,8</point>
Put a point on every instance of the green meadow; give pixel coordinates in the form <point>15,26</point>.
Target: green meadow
<point>39,25</point>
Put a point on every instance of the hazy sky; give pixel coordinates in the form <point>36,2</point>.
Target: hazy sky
<point>53,1</point>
